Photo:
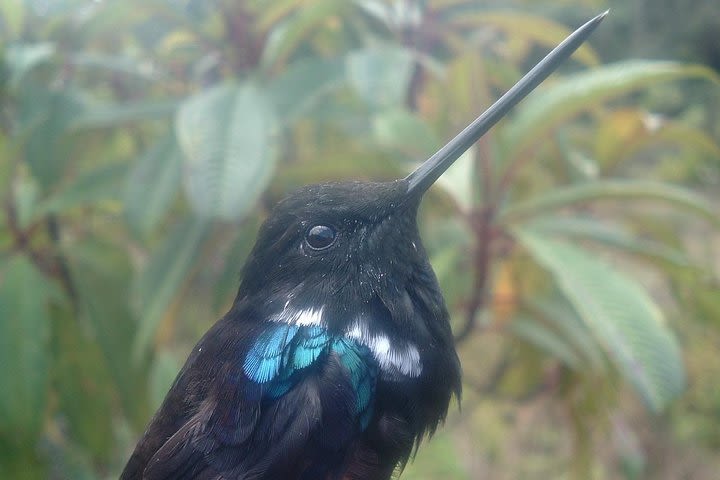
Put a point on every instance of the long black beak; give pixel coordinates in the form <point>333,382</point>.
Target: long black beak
<point>430,170</point>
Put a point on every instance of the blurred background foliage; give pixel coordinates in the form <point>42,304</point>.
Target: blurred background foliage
<point>143,142</point>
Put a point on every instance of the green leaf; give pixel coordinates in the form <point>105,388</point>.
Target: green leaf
<point>565,98</point>
<point>161,280</point>
<point>24,342</point>
<point>228,281</point>
<point>380,74</point>
<point>84,387</point>
<point>284,39</point>
<point>544,339</point>
<point>46,116</point>
<point>621,315</point>
<point>610,190</point>
<point>164,370</point>
<point>521,31</point>
<point>152,184</point>
<point>12,13</point>
<point>563,319</point>
<point>101,275</point>
<point>608,235</point>
<point>303,84</point>
<point>401,130</point>
<point>21,59</point>
<point>227,134</point>
<point>108,116</point>
<point>100,184</point>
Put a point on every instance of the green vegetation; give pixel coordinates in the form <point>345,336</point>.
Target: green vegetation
<point>142,142</point>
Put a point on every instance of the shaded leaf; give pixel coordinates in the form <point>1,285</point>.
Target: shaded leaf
<point>24,352</point>
<point>23,58</point>
<point>162,373</point>
<point>163,277</point>
<point>227,136</point>
<point>85,389</point>
<point>152,184</point>
<point>101,275</point>
<point>545,340</point>
<point>46,116</point>
<point>621,315</point>
<point>100,184</point>
<point>108,116</point>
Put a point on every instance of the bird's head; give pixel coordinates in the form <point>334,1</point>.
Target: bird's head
<point>349,247</point>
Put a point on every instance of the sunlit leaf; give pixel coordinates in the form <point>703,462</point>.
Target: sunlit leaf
<point>162,279</point>
<point>152,184</point>
<point>620,314</point>
<point>24,352</point>
<point>380,74</point>
<point>575,195</point>
<point>227,134</point>
<point>565,98</point>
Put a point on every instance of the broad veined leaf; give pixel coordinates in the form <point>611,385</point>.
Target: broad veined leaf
<point>566,97</point>
<point>24,350</point>
<point>610,190</point>
<point>152,184</point>
<point>227,134</point>
<point>162,278</point>
<point>303,84</point>
<point>621,315</point>
<point>609,235</point>
<point>555,312</point>
<point>380,74</point>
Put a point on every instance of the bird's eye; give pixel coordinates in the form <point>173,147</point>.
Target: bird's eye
<point>320,237</point>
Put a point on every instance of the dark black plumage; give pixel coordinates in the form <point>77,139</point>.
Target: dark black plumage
<point>336,357</point>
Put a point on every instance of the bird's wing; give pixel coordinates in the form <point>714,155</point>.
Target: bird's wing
<point>263,412</point>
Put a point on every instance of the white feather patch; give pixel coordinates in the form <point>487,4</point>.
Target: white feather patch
<point>393,359</point>
<point>302,317</point>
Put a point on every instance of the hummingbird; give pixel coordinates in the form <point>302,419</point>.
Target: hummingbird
<point>336,358</point>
